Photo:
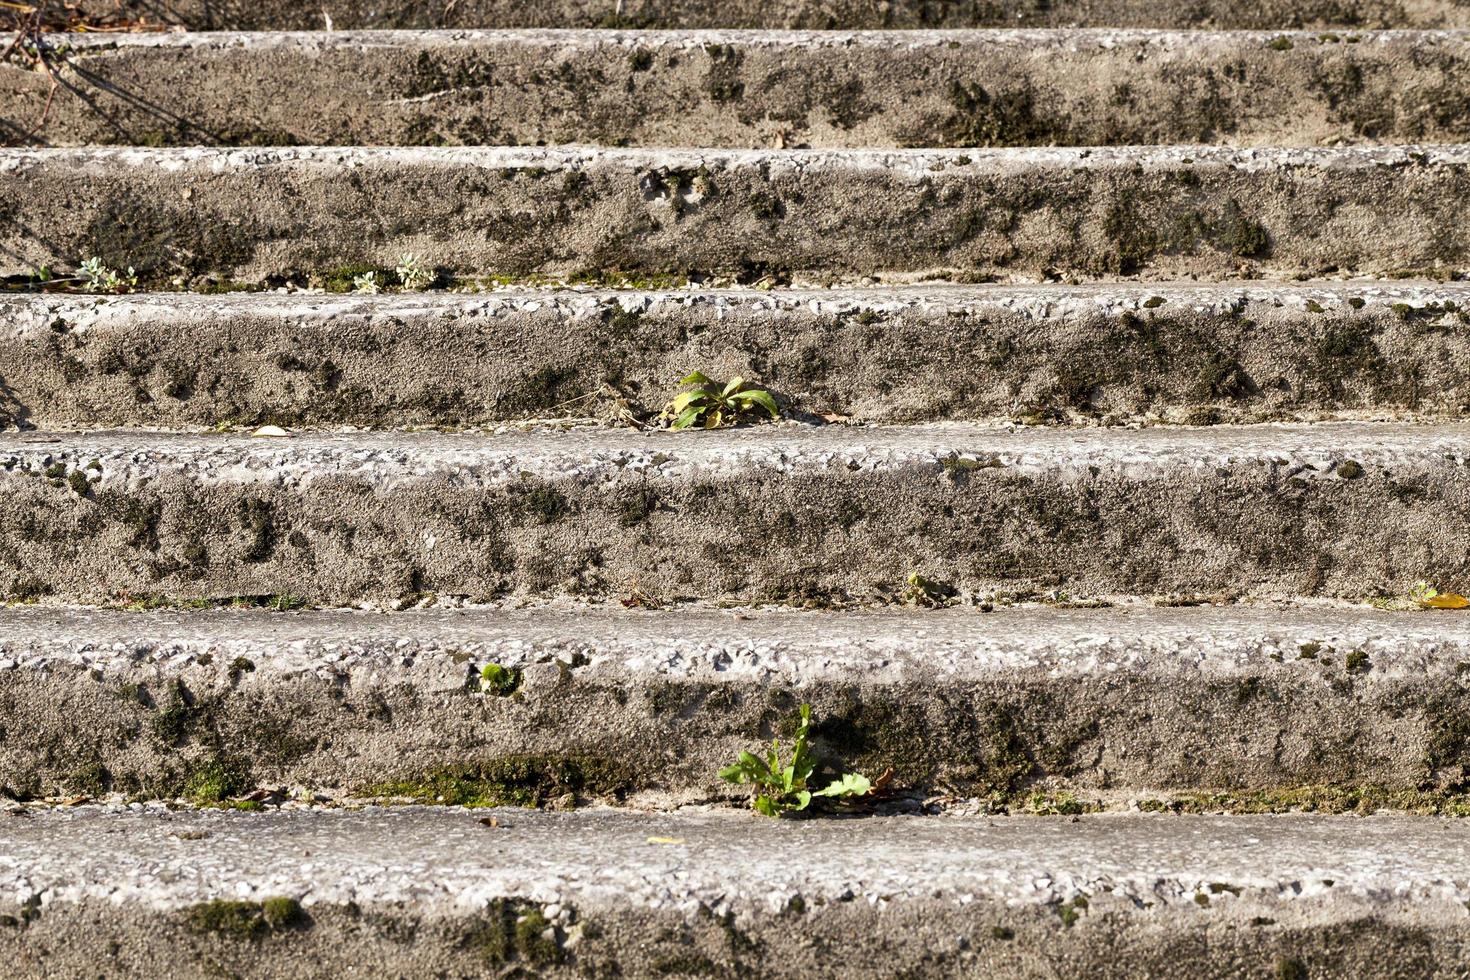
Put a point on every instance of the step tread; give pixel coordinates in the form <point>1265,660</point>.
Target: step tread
<point>698,642</point>
<point>446,858</point>
<point>435,891</point>
<point>28,312</point>
<point>902,39</point>
<point>590,454</point>
<point>914,162</point>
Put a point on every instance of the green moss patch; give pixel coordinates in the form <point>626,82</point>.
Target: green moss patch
<point>246,921</point>
<point>513,930</point>
<point>216,780</point>
<point>517,780</point>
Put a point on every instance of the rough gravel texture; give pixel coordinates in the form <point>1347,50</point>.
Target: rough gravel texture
<point>648,706</point>
<point>817,14</point>
<point>746,89</point>
<point>777,512</point>
<point>1227,353</point>
<point>182,214</point>
<point>419,892</point>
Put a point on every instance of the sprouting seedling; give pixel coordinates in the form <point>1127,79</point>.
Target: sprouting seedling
<point>95,273</point>
<point>98,278</point>
<point>411,273</point>
<point>710,404</point>
<point>923,591</point>
<point>783,788</point>
<point>498,680</point>
<point>1429,597</point>
<point>365,283</point>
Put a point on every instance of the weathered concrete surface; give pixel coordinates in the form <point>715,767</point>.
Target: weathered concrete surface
<point>1232,353</point>
<point>1168,212</point>
<point>413,893</point>
<point>745,89</point>
<point>777,512</point>
<point>646,707</point>
<point>817,14</point>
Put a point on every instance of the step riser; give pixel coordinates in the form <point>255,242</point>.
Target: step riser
<point>742,90</point>
<point>1228,354</point>
<point>812,14</point>
<point>251,214</point>
<point>830,512</point>
<point>997,705</point>
<point>1112,942</point>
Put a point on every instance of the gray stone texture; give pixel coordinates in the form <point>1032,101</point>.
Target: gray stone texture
<point>813,14</point>
<point>1246,352</point>
<point>180,214</point>
<point>645,707</point>
<point>745,89</point>
<point>417,892</point>
<point>789,512</point>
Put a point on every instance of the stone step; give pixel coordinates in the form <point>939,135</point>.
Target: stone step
<point>433,892</point>
<point>769,14</point>
<point>1170,212</point>
<point>1239,352</point>
<point>781,512</point>
<point>747,89</point>
<point>1232,708</point>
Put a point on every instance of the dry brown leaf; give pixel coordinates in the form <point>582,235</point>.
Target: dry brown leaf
<point>1446,600</point>
<point>271,796</point>
<point>880,785</point>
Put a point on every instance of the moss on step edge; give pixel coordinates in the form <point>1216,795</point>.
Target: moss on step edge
<point>1362,799</point>
<point>239,920</point>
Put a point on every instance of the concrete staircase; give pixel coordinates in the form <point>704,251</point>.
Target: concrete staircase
<point>1121,357</point>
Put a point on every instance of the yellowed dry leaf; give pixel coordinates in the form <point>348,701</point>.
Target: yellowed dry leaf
<point>1446,600</point>
<point>665,840</point>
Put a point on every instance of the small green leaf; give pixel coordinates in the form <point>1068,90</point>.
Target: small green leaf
<point>753,761</point>
<point>749,769</point>
<point>803,800</point>
<point>758,397</point>
<point>733,386</point>
<point>684,399</point>
<point>851,784</point>
<point>765,805</point>
<point>697,378</point>
<point>803,766</point>
<point>687,418</point>
<point>498,680</point>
